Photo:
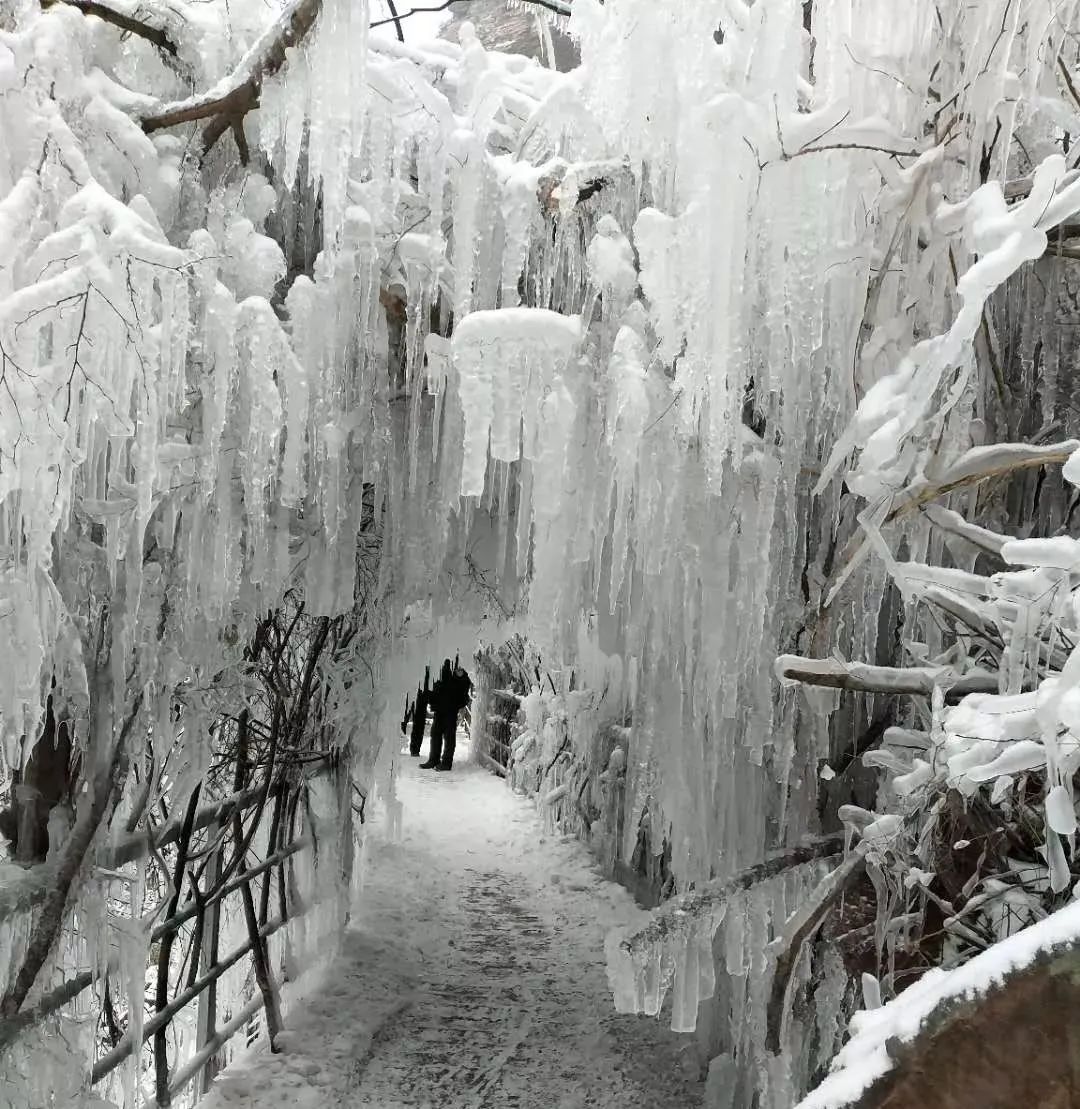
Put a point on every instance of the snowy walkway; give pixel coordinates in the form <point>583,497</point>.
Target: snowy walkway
<point>473,978</point>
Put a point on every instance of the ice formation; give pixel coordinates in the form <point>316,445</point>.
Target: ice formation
<point>509,365</point>
<point>602,326</point>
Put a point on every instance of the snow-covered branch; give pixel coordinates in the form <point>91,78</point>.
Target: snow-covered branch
<point>145,25</point>
<point>226,104</point>
<point>863,678</point>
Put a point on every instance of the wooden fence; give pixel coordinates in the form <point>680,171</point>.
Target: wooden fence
<point>500,711</point>
<point>202,911</point>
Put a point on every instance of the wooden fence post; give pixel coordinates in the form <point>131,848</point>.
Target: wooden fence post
<point>288,901</point>
<point>273,842</point>
<point>262,964</point>
<point>207,1022</point>
<point>258,943</point>
<point>161,994</point>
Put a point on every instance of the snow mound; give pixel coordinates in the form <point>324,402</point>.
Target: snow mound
<point>865,1058</point>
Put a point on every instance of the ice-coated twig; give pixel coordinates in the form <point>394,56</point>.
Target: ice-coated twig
<point>985,540</point>
<point>51,1001</point>
<point>973,467</point>
<point>697,903</point>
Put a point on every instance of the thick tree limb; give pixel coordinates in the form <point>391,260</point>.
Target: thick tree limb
<point>225,105</point>
<point>228,102</point>
<point>142,27</point>
<point>1013,1004</point>
<point>105,790</point>
<point>859,677</point>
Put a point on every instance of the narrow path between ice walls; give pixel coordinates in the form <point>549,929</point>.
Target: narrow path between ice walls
<point>473,975</point>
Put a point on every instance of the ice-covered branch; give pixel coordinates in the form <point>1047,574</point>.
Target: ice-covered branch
<point>989,542</point>
<point>972,468</point>
<point>982,463</point>
<point>673,914</point>
<point>12,1028</point>
<point>862,678</point>
<point>800,926</point>
<point>145,26</point>
<point>103,797</point>
<point>226,104</point>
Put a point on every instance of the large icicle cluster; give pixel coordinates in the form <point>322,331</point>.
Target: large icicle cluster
<point>148,514</point>
<point>574,346</point>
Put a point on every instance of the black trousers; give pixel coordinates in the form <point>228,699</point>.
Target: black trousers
<point>443,739</point>
<point>416,738</point>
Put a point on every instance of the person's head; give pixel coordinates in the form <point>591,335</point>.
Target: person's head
<point>446,671</point>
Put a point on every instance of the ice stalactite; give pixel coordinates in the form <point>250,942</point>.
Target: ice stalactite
<point>675,952</point>
<point>509,363</point>
<point>321,112</point>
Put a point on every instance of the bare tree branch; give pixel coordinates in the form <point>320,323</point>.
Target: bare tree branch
<point>397,20</point>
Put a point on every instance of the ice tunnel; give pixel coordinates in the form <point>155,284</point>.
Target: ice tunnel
<point>698,376</point>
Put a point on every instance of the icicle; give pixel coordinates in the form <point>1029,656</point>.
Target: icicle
<point>503,360</point>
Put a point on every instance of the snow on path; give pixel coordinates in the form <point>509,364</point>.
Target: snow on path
<point>473,977</point>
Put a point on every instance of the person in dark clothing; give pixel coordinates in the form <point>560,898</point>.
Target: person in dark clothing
<point>460,691</point>
<point>440,708</point>
<point>448,698</point>
<point>420,714</point>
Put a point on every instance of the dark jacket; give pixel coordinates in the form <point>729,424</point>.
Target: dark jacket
<point>451,693</point>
